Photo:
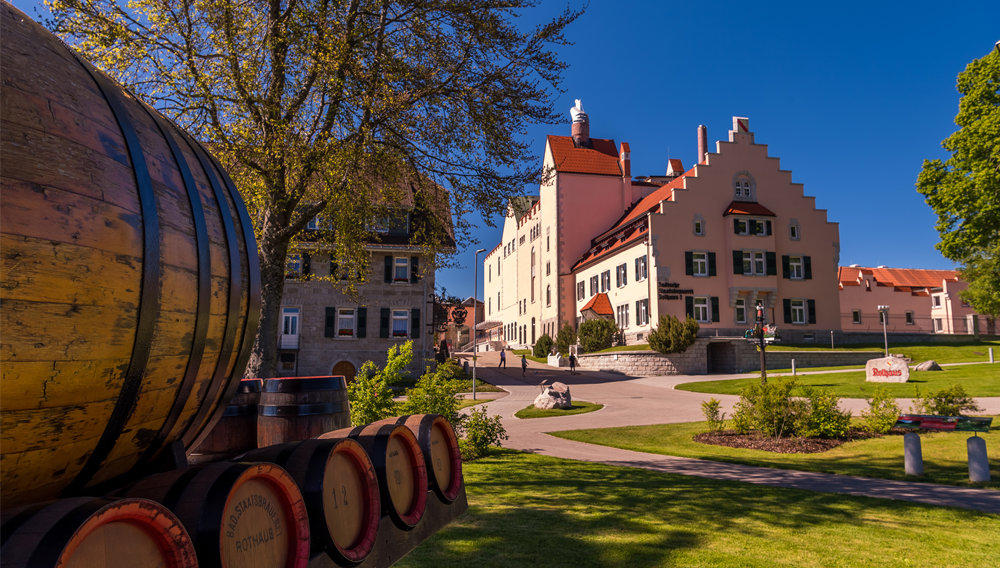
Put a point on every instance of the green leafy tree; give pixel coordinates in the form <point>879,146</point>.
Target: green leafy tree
<point>343,109</point>
<point>434,393</point>
<point>565,338</point>
<point>370,394</point>
<point>597,334</point>
<point>965,190</point>
<point>481,432</point>
<point>542,346</point>
<point>672,335</point>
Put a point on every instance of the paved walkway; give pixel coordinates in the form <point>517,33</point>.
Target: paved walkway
<point>633,401</point>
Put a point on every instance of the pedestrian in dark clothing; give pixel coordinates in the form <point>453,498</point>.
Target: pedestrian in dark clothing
<point>503,359</point>
<point>524,364</point>
<point>572,364</point>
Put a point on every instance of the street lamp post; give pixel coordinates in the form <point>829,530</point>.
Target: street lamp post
<point>762,344</point>
<point>475,321</point>
<point>884,310</point>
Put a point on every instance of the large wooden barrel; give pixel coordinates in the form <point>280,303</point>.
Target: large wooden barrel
<point>236,431</point>
<point>84,532</point>
<point>238,514</point>
<point>442,455</point>
<point>299,408</point>
<point>399,466</point>
<point>129,279</point>
<point>341,491</point>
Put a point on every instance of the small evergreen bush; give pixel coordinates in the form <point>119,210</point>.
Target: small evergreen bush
<point>951,401</point>
<point>672,335</point>
<point>434,393</point>
<point>565,338</point>
<point>542,346</point>
<point>481,432</point>
<point>713,415</point>
<point>824,418</point>
<point>769,409</point>
<point>882,411</point>
<point>369,394</point>
<point>597,334</point>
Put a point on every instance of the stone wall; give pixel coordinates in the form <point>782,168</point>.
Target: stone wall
<point>694,361</point>
<point>806,359</point>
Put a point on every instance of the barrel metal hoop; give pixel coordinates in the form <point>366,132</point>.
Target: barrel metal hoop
<point>12,524</point>
<point>149,295</point>
<point>194,436</point>
<point>302,409</point>
<point>173,496</point>
<point>204,289</point>
<point>210,520</point>
<point>304,385</point>
<point>52,545</point>
<point>241,410</point>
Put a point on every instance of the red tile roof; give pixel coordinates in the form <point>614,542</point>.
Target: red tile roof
<point>600,305</point>
<point>897,277</point>
<point>748,208</point>
<point>615,246</point>
<point>602,160</point>
<point>675,165</point>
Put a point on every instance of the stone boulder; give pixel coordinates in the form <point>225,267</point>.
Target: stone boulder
<point>929,366</point>
<point>887,370</point>
<point>554,396</point>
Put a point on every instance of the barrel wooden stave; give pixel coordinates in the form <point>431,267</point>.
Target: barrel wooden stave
<point>85,532</point>
<point>285,394</point>
<point>69,194</point>
<point>442,455</point>
<point>236,431</point>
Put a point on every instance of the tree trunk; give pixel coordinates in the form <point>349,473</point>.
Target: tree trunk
<point>273,251</point>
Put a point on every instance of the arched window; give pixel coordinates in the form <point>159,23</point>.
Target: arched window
<point>532,330</point>
<point>532,275</point>
<point>548,295</point>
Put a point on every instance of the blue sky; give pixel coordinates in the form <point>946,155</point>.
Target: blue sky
<point>851,96</point>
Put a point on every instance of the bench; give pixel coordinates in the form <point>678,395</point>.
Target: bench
<point>913,460</point>
<point>949,423</point>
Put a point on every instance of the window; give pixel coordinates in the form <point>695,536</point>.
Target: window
<point>289,321</point>
<point>293,265</point>
<point>400,321</point>
<point>605,281</point>
<point>581,290</point>
<point>855,316</point>
<point>740,226</point>
<point>741,310</point>
<point>621,275</point>
<point>621,316</point>
<point>936,301</point>
<point>641,271</point>
<point>793,231</point>
<point>699,228</point>
<point>345,322</point>
<point>548,267</point>
<point>313,223</point>
<point>547,240</point>
<point>795,267</point>
<point>548,295</point>
<point>593,285</point>
<point>700,265</point>
<point>760,227</point>
<point>642,312</point>
<point>532,275</point>
<point>909,318</point>
<point>401,272</point>
<point>753,263</point>
<point>881,316</point>
<point>701,309</point>
<point>741,187</point>
<point>798,311</point>
<point>965,303</point>
<point>758,263</point>
<point>937,324</point>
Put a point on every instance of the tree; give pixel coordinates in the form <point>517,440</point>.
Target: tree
<point>338,109</point>
<point>597,334</point>
<point>965,190</point>
<point>565,338</point>
<point>672,335</point>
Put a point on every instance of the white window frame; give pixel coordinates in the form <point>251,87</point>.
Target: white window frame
<point>761,227</point>
<point>642,312</point>
<point>754,257</point>
<point>909,318</point>
<point>856,317</point>
<point>605,281</point>
<point>798,312</point>
<point>938,325</point>
<point>581,290</point>
<point>621,316</point>
<point>621,275</point>
<point>397,263</point>
<point>548,295</point>
<point>699,266</point>
<point>795,264</point>
<point>344,313</point>
<point>746,226</point>
<point>290,323</point>
<point>794,232</point>
<point>936,301</point>
<point>594,285</point>
<point>702,309</point>
<point>399,315</point>
<point>548,267</point>
<point>643,269</point>
<point>740,305</point>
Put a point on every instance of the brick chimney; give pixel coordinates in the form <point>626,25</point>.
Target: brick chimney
<point>581,126</point>
<point>625,157</point>
<point>702,143</point>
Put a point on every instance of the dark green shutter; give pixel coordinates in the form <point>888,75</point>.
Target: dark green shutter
<point>637,269</point>
<point>812,310</point>
<point>787,305</point>
<point>362,322</point>
<point>415,323</point>
<point>772,263</point>
<point>383,324</point>
<point>786,269</point>
<point>388,270</point>
<point>711,264</point>
<point>413,269</point>
<point>752,228</point>
<point>736,226</point>
<point>689,306</point>
<point>768,225</point>
<point>688,263</point>
<point>808,270</point>
<point>305,264</point>
<point>737,262</point>
<point>331,323</point>
<point>715,308</point>
<point>618,277</point>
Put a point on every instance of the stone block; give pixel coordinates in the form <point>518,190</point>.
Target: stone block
<point>979,465</point>
<point>887,370</point>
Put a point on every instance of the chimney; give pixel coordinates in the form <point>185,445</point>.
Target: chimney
<point>702,143</point>
<point>581,126</point>
<point>625,156</point>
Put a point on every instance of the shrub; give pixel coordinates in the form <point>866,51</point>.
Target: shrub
<point>434,393</point>
<point>543,346</point>
<point>824,418</point>
<point>481,432</point>
<point>945,402</point>
<point>715,418</point>
<point>882,411</point>
<point>672,335</point>
<point>565,338</point>
<point>769,409</point>
<point>597,334</point>
<point>369,394</point>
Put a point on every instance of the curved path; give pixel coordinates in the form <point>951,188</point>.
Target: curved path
<point>631,401</point>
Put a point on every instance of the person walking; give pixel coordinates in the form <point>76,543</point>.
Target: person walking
<point>503,359</point>
<point>524,364</point>
<point>572,364</point>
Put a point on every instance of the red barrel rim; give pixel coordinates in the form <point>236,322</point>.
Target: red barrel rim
<point>360,549</point>
<point>450,493</point>
<point>412,517</point>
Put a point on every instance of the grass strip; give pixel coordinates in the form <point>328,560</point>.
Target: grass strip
<point>533,510</point>
<point>945,453</point>
<point>579,407</point>
<point>953,352</point>
<point>527,353</point>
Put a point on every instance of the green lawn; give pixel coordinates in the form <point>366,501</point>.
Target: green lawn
<point>978,380</point>
<point>467,402</point>
<point>519,352</point>
<point>532,510</point>
<point>637,347</point>
<point>579,407</point>
<point>962,352</point>
<point>945,453</point>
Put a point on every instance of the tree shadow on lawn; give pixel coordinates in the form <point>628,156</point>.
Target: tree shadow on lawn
<point>532,510</point>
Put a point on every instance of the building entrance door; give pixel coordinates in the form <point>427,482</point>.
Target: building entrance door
<point>347,369</point>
